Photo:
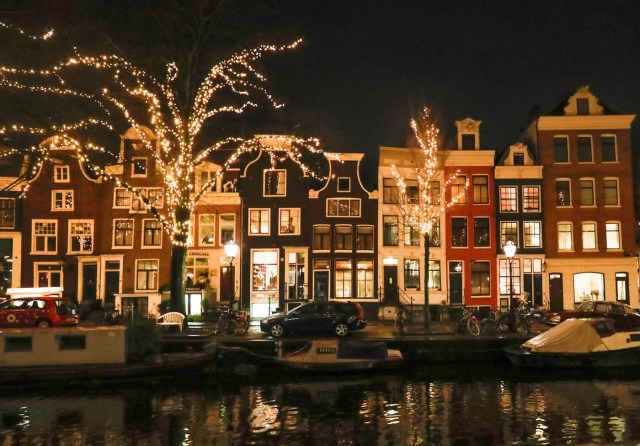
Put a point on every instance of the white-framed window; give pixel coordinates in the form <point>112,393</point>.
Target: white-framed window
<point>344,279</point>
<point>45,236</point>
<point>62,200</point>
<point>343,238</point>
<point>412,273</point>
<point>139,167</point>
<point>121,198</point>
<point>364,238</point>
<point>61,174</point>
<point>459,190</point>
<point>227,228</point>
<point>532,232</point>
<point>259,221</point>
<point>344,184</point>
<point>480,278</point>
<point>154,196</point>
<point>565,236</point>
<point>7,213</point>
<point>322,238</point>
<point>289,221</point>
<point>508,199</point>
<point>563,192</point>
<point>480,189</point>
<point>509,275</point>
<point>343,207</point>
<point>609,149</point>
<point>561,149</point>
<point>274,183</point>
<point>531,198</point>
<point>206,229</point>
<point>364,279</point>
<point>264,270</point>
<point>151,233</point>
<point>48,274</point>
<point>587,192</point>
<point>147,274</point>
<point>585,149</point>
<point>390,191</point>
<point>123,233</point>
<point>509,231</point>
<point>208,181</point>
<point>611,194</point>
<point>589,236</point>
<point>613,235</point>
<point>411,234</point>
<point>80,237</point>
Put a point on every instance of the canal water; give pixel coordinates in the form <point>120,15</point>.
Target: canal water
<point>453,405</point>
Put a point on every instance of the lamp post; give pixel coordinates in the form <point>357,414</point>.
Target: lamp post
<point>509,249</point>
<point>231,250</point>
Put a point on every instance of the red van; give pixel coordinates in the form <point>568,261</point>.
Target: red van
<point>40,312</point>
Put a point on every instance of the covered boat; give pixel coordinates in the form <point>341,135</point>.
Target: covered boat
<point>579,343</point>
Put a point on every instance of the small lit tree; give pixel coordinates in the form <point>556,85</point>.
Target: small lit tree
<point>422,208</point>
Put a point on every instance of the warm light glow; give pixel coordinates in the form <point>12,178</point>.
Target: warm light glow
<point>231,249</point>
<point>509,249</point>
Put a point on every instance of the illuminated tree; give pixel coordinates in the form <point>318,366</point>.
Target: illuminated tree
<point>113,95</point>
<point>422,200</point>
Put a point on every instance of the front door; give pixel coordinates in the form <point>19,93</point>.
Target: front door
<point>320,285</point>
<point>390,284</point>
<point>111,282</point>
<point>555,292</point>
<point>89,281</point>
<point>226,283</point>
<point>455,283</point>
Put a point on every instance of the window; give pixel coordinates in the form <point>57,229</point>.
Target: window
<point>412,273</point>
<point>45,235</point>
<point>412,191</point>
<point>152,233</point>
<point>62,200</point>
<point>480,189</point>
<point>563,193</point>
<point>196,270</point>
<point>589,236</point>
<point>7,212</point>
<point>508,231</point>
<point>61,174</point>
<point>480,278</point>
<point>275,183</point>
<point>322,238</point>
<point>18,344</point>
<point>434,237</point>
<point>459,190</point>
<point>80,236</point>
<point>561,149</point>
<point>146,275</point>
<point>518,159</point>
<point>344,184</point>
<point>365,279</point>
<point>343,237</point>
<point>613,235</point>
<point>121,198</point>
<point>622,287</point>
<point>609,152</point>
<point>208,181</point>
<point>411,235</point>
<point>531,198</point>
<point>508,199</point>
<point>264,270</point>
<point>481,237</point>
<point>532,234</point>
<point>585,154</point>
<point>259,221</point>
<point>468,141</point>
<point>206,228</point>
<point>72,342</point>
<point>139,167</point>
<point>364,238</point>
<point>588,286</point>
<point>227,228</point>
<point>123,233</point>
<point>587,197</point>
<point>509,276</point>
<point>565,237</point>
<point>434,193</point>
<point>343,207</point>
<point>390,191</point>
<point>343,279</point>
<point>155,197</point>
<point>611,197</point>
<point>434,275</point>
<point>458,232</point>
<point>390,230</point>
<point>582,105</point>
<point>289,221</point>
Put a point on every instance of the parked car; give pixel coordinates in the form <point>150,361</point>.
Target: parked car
<point>330,317</point>
<point>624,317</point>
<point>38,312</point>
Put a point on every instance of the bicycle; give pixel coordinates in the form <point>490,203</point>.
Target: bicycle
<point>226,324</point>
<point>491,323</point>
<point>399,321</point>
<point>516,319</point>
<point>242,318</point>
<point>467,323</point>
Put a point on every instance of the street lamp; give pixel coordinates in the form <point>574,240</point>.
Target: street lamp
<point>231,250</point>
<point>509,249</point>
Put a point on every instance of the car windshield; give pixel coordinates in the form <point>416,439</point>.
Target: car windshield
<point>64,307</point>
<point>585,306</point>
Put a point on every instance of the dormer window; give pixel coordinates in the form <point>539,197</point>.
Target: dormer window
<point>139,167</point>
<point>468,141</point>
<point>208,181</point>
<point>344,184</point>
<point>275,183</point>
<point>61,174</point>
<point>583,106</point>
<point>518,159</point>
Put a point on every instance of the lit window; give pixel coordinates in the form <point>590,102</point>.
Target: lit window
<point>531,198</point>
<point>121,198</point>
<point>321,238</point>
<point>412,273</point>
<point>390,230</point>
<point>480,189</point>
<point>343,207</point>
<point>275,183</point>
<point>146,275</point>
<point>563,193</point>
<point>412,192</point>
<point>508,199</point>
<point>289,221</point>
<point>343,238</point>
<point>207,228</point>
<point>434,275</point>
<point>459,190</point>
<point>587,195</point>
<point>589,236</point>
<point>411,235</point>
<point>344,277</point>
<point>532,234</point>
<point>613,235</point>
<point>259,221</point>
<point>365,279</point>
<point>264,270</point>
<point>390,191</point>
<point>480,278</point>
<point>62,200</point>
<point>509,276</point>
<point>508,231</point>
<point>7,213</point>
<point>123,233</point>
<point>152,233</point>
<point>565,237</point>
<point>80,236</point>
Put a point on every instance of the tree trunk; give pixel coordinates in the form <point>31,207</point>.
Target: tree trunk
<point>427,313</point>
<point>178,261</point>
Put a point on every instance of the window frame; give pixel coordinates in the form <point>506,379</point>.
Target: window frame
<point>61,174</point>
<point>155,275</point>
<point>342,189</point>
<point>579,146</point>
<point>466,235</point>
<point>528,236</point>
<point>203,240</point>
<point>569,225</point>
<point>556,147</point>
<point>278,172</point>
<point>369,238</point>
<point>389,186</point>
<point>70,236</point>
<point>346,280</point>
<point>5,210</point>
<point>605,188</point>
<point>618,237</point>
<point>34,237</point>
<point>365,278</point>
<point>459,190</point>
<point>485,274</point>
<point>260,212</point>
<point>409,266</point>
<point>157,231</point>
<point>482,189</point>
<point>296,219</point>
<point>337,207</point>
<point>325,238</point>
<point>223,224</point>
<point>144,165</point>
<point>386,223</point>
<point>114,245</point>
<point>128,196</point>
<point>504,235</point>
<point>568,182</point>
<point>487,233</point>
<point>345,238</point>
<point>615,148</point>
<point>506,199</point>
<point>531,198</point>
<point>64,197</point>
<point>594,232</point>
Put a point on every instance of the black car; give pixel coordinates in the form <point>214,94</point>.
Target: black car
<point>624,317</point>
<point>331,317</point>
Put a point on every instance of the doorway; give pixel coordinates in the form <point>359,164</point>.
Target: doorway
<point>391,283</point>
<point>89,281</point>
<point>455,283</point>
<point>320,285</point>
<point>111,282</point>
<point>556,297</point>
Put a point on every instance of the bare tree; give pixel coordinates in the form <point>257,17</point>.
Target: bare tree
<point>422,200</point>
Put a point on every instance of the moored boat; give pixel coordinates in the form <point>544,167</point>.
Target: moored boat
<point>587,343</point>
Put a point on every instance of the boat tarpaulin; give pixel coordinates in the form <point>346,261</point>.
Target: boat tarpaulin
<point>362,350</point>
<point>570,336</point>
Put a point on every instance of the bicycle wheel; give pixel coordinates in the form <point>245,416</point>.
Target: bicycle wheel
<point>231,327</point>
<point>503,324</point>
<point>243,327</point>
<point>522,327</point>
<point>473,326</point>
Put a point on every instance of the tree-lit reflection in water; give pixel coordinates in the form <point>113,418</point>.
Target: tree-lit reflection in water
<point>462,408</point>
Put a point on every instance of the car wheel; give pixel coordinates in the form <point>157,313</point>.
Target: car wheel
<point>277,330</point>
<point>341,329</point>
<point>43,323</point>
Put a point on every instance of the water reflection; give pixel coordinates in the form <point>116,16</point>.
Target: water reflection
<point>429,408</point>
